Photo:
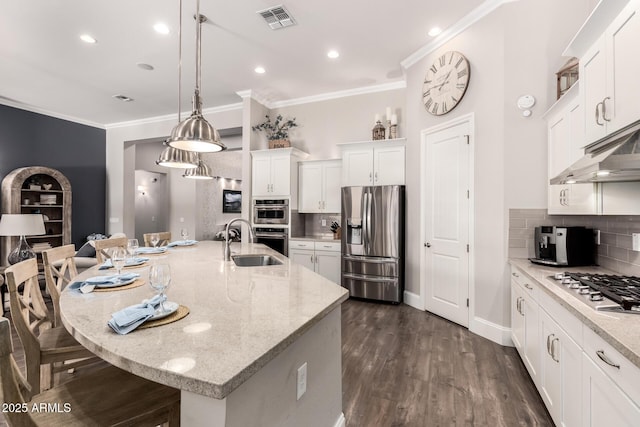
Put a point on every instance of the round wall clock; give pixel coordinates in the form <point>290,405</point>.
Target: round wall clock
<point>445,83</point>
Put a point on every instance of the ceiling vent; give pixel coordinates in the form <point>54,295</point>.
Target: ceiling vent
<point>277,17</point>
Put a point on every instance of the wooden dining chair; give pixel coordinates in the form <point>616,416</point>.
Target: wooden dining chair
<point>103,246</point>
<point>165,238</point>
<point>59,270</point>
<point>104,397</point>
<point>47,349</point>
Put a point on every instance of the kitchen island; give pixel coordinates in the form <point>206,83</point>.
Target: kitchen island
<point>238,354</point>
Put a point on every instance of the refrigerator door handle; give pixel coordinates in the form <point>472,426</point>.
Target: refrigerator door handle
<point>368,213</point>
<point>371,260</point>
<point>375,279</point>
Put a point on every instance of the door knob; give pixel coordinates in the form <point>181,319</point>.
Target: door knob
<point>427,245</point>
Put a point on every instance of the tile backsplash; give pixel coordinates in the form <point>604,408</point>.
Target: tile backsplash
<point>313,224</point>
<point>614,251</point>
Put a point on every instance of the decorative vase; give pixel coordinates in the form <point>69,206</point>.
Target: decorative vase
<point>378,131</point>
<point>279,143</point>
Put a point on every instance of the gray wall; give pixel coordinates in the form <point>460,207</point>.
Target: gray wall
<point>78,151</point>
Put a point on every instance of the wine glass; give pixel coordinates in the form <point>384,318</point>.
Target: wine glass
<point>159,279</point>
<point>154,239</point>
<point>184,233</point>
<point>132,247</point>
<point>119,258</point>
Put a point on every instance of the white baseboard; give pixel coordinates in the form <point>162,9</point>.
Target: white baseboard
<point>342,422</point>
<point>491,331</point>
<point>413,300</point>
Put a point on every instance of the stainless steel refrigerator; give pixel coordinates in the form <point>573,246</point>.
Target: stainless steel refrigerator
<point>373,242</point>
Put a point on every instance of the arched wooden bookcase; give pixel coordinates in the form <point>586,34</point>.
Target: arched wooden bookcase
<point>38,189</point>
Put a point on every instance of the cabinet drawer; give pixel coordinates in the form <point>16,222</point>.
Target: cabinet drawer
<point>530,288</point>
<point>301,244</point>
<point>327,246</point>
<point>625,374</point>
<point>567,321</point>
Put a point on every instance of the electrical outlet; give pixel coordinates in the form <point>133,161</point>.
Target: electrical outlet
<point>597,233</point>
<point>635,242</point>
<point>302,380</point>
<point>324,222</point>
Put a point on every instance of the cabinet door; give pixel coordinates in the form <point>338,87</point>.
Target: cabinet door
<point>531,339</point>
<point>261,176</point>
<point>303,257</point>
<point>310,187</point>
<point>280,175</point>
<point>328,265</point>
<point>388,166</point>
<point>357,167</point>
<point>603,402</point>
<point>517,318</point>
<point>559,143</point>
<point>593,90</point>
<point>557,199</point>
<point>560,373</point>
<point>623,85</point>
<point>583,199</point>
<point>331,190</point>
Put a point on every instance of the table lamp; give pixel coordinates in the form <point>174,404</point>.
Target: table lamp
<point>21,225</point>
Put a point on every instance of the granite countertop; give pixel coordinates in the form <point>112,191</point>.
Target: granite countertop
<point>240,318</point>
<point>621,330</point>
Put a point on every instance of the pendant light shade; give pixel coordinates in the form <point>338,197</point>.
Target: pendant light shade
<point>195,133</point>
<point>201,172</point>
<point>174,158</point>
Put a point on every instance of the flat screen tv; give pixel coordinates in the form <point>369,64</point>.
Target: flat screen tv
<point>231,201</point>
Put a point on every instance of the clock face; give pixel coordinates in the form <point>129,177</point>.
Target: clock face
<point>445,83</point>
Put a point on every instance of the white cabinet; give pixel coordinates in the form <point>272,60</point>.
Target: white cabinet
<point>323,257</point>
<point>524,321</point>
<point>373,163</point>
<point>319,186</point>
<point>565,125</point>
<point>608,75</point>
<point>274,172</point>
<point>560,374</point>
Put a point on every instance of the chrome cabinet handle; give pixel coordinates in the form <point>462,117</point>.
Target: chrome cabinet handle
<point>604,109</point>
<point>514,274</point>
<point>319,204</point>
<point>521,307</point>
<point>606,359</point>
<point>526,285</point>
<point>553,350</point>
<point>376,176</point>
<point>311,259</point>
<point>549,344</point>
<point>370,177</point>
<point>598,114</point>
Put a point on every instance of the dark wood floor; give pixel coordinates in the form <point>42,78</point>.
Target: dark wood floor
<point>405,367</point>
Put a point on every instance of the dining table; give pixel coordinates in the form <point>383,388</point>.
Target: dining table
<point>253,345</point>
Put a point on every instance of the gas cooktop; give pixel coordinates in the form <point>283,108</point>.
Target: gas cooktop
<point>603,291</point>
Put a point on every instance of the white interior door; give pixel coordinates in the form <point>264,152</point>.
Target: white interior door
<point>446,222</point>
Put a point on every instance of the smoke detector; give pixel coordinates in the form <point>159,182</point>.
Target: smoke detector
<point>277,17</point>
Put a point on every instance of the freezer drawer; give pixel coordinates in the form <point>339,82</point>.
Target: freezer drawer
<point>370,266</point>
<point>370,287</point>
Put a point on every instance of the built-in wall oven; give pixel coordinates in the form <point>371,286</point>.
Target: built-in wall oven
<point>271,211</point>
<point>276,238</point>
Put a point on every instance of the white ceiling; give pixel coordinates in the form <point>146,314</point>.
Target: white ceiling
<point>45,66</point>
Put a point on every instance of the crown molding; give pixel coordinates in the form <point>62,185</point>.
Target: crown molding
<point>37,110</point>
<point>157,119</point>
<point>459,27</point>
<point>253,95</point>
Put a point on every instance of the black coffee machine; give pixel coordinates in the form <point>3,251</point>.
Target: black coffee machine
<point>564,246</point>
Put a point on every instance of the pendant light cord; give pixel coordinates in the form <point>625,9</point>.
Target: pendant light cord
<point>179,60</point>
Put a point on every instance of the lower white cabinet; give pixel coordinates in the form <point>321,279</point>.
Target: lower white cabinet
<point>525,319</point>
<point>321,257</point>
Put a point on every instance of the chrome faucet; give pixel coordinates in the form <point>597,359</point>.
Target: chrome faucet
<point>227,246</point>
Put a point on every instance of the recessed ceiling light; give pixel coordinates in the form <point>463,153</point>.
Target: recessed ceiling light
<point>603,173</point>
<point>144,66</point>
<point>161,28</point>
<point>333,54</point>
<point>123,98</point>
<point>259,70</point>
<point>87,38</point>
<point>434,31</point>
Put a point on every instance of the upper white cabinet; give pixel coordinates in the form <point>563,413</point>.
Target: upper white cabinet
<point>608,69</point>
<point>565,124</point>
<point>319,186</point>
<point>373,163</point>
<point>275,171</point>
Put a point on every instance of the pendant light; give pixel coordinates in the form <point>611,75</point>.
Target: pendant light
<point>195,133</point>
<point>201,172</point>
<point>174,158</point>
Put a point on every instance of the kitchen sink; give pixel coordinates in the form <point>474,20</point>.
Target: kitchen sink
<point>255,260</point>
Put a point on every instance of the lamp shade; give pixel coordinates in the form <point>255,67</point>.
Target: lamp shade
<point>175,158</point>
<point>21,225</point>
<point>203,171</point>
<point>195,133</point>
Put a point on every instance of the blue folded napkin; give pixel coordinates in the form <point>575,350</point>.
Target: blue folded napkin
<point>131,261</point>
<point>182,243</point>
<point>129,318</point>
<point>90,283</point>
<point>151,250</point>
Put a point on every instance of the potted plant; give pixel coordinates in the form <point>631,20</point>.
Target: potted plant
<point>277,131</point>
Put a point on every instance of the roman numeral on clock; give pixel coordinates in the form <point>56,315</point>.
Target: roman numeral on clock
<point>433,69</point>
<point>434,110</point>
<point>462,73</point>
<point>443,60</point>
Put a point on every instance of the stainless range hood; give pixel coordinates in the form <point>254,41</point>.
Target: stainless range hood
<point>615,158</point>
